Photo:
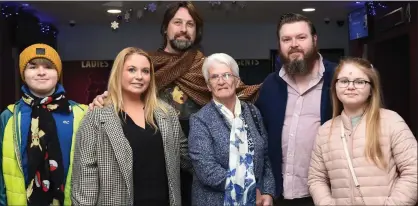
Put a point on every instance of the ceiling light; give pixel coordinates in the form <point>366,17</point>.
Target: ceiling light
<point>308,9</point>
<point>114,11</point>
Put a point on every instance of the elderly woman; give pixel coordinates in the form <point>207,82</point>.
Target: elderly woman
<point>228,143</point>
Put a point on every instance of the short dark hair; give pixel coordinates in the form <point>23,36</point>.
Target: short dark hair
<point>292,18</point>
<point>171,12</point>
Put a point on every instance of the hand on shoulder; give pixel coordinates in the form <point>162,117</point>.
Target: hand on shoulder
<point>98,101</point>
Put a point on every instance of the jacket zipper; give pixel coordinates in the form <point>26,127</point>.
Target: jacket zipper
<point>350,150</point>
<point>17,138</point>
<point>349,154</point>
<point>349,167</point>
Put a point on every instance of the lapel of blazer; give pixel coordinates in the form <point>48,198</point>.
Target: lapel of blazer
<point>120,145</point>
<point>168,141</point>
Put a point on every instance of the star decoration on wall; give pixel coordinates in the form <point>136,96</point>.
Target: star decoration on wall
<point>152,7</point>
<point>114,25</point>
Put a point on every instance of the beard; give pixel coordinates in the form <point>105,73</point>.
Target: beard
<point>181,44</point>
<point>299,67</point>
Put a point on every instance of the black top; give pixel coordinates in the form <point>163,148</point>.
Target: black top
<point>149,169</point>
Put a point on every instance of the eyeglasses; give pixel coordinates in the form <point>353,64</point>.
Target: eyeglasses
<point>225,76</point>
<point>358,83</point>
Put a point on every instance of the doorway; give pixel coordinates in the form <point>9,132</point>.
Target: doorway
<point>392,60</point>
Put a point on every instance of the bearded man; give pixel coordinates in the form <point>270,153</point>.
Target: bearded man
<point>178,72</point>
<point>294,101</point>
<point>178,64</point>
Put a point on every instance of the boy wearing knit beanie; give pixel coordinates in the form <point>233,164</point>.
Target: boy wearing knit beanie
<point>37,134</point>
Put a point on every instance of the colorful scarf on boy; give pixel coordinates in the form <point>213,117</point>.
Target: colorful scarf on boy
<point>45,161</point>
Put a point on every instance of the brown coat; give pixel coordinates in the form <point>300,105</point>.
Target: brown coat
<point>330,180</point>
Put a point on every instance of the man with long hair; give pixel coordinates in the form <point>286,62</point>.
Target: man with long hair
<point>179,62</point>
<point>178,66</point>
<point>294,102</point>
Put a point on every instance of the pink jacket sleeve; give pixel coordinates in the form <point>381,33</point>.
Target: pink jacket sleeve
<point>404,150</point>
<point>318,180</point>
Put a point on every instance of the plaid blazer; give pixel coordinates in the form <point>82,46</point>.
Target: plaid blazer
<point>102,168</point>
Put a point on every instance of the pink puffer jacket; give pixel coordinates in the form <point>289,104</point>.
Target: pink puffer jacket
<point>331,181</point>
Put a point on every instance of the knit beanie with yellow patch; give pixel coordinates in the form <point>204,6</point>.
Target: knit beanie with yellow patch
<point>39,51</point>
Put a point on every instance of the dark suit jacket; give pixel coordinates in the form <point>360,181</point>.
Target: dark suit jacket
<point>272,101</point>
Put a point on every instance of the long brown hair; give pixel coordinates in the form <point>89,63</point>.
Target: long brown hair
<point>171,12</point>
<point>115,86</point>
<point>373,150</point>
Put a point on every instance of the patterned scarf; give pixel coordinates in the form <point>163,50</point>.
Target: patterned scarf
<point>240,188</point>
<point>45,163</point>
<point>185,70</point>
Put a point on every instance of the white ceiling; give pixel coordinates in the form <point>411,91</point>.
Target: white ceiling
<point>94,12</point>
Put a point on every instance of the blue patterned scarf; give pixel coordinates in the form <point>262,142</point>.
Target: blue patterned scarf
<point>240,188</point>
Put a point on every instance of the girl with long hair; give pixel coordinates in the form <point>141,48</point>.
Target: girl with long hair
<point>364,155</point>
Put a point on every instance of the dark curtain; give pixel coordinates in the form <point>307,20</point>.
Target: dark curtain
<point>7,67</point>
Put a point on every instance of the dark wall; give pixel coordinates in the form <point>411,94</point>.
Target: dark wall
<point>7,69</point>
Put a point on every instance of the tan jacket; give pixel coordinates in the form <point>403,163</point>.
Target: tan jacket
<point>330,179</point>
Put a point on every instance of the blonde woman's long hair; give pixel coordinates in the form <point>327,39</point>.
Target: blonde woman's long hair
<point>114,87</point>
<point>373,150</point>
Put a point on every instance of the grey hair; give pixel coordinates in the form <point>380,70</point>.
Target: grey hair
<point>221,58</point>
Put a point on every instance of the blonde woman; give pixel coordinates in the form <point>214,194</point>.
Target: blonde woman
<point>129,151</point>
<point>364,155</point>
